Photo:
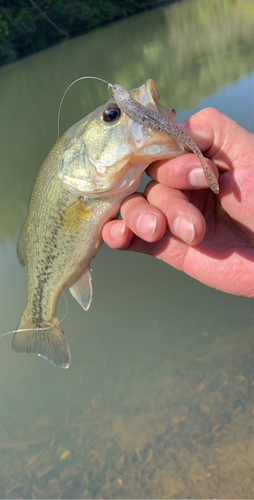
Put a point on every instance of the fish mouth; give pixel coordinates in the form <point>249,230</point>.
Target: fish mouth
<point>147,95</point>
<point>150,143</point>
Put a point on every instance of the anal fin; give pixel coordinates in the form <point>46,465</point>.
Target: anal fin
<point>82,290</point>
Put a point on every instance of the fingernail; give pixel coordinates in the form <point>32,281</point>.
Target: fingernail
<point>146,223</point>
<point>184,229</point>
<point>197,178</point>
<point>118,229</point>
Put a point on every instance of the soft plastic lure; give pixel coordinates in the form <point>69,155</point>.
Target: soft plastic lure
<point>148,118</point>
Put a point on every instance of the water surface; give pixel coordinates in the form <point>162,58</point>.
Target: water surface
<point>157,402</point>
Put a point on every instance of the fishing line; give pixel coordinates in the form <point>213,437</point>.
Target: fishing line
<point>110,85</point>
<point>39,329</point>
<point>48,18</point>
<point>75,81</point>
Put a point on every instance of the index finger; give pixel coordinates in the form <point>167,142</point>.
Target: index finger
<point>221,138</point>
<point>183,172</point>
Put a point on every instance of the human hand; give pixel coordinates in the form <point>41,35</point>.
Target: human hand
<point>180,221</point>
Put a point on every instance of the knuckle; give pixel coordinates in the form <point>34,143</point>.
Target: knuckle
<point>131,205</point>
<point>151,187</point>
<point>212,114</point>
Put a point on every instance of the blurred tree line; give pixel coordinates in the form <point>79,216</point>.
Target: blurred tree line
<point>27,26</point>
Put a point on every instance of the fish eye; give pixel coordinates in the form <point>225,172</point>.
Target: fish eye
<point>112,113</point>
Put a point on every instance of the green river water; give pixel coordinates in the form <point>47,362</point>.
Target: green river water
<point>158,400</point>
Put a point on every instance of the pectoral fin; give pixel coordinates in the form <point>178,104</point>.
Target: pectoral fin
<point>82,290</point>
<point>21,247</point>
<point>74,217</point>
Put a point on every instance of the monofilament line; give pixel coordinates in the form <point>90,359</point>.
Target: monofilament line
<point>39,328</point>
<point>75,81</point>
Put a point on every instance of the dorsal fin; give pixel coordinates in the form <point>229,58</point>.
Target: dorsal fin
<point>21,246</point>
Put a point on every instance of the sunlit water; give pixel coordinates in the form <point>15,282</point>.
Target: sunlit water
<point>157,401</point>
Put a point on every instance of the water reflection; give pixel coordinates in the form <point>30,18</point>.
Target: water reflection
<point>158,398</point>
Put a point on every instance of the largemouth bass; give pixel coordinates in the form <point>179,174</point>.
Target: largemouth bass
<point>81,184</point>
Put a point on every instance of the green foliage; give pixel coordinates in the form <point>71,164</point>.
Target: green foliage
<point>4,31</point>
<point>24,29</point>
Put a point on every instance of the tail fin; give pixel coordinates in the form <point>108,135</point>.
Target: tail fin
<point>49,342</point>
